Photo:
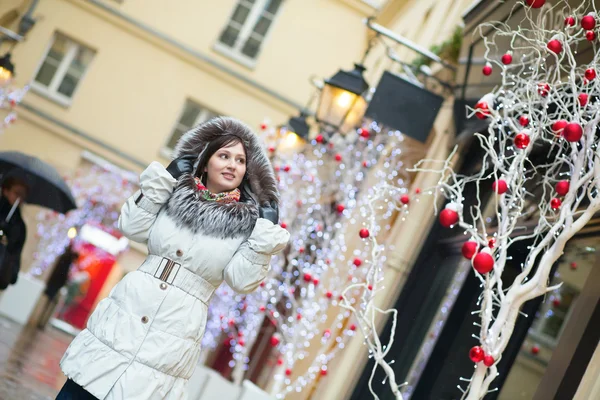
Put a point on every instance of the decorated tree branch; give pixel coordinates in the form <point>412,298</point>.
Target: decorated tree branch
<point>541,160</point>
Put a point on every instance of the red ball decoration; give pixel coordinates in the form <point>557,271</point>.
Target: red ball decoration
<point>562,188</point>
<point>482,110</point>
<point>283,225</point>
<point>365,164</point>
<point>523,120</point>
<point>287,168</point>
<point>590,35</point>
<point>338,157</point>
<point>487,70</point>
<point>340,208</point>
<point>288,372</point>
<point>556,302</point>
<point>559,126</point>
<point>370,287</point>
<point>476,354</point>
<point>500,186</point>
<point>275,340</point>
<point>315,281</point>
<point>357,262</point>
<point>507,59</point>
<point>364,133</point>
<point>307,277</point>
<point>570,21</point>
<point>555,46</point>
<point>263,126</point>
<point>329,294</point>
<point>364,233</point>
<point>448,217</point>
<point>483,262</point>
<point>573,132</point>
<point>583,99</point>
<point>543,89</point>
<point>280,361</point>
<point>271,149</point>
<point>555,203</point>
<point>535,3</point>
<point>573,265</point>
<point>323,371</point>
<point>588,22</point>
<point>522,140</point>
<point>352,327</point>
<point>535,350</point>
<point>488,361</point>
<point>491,243</point>
<point>469,249</point>
<point>404,199</point>
<point>319,138</point>
<point>590,74</point>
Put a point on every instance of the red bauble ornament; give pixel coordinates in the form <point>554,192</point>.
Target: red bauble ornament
<point>491,243</point>
<point>288,372</point>
<point>327,332</point>
<point>315,281</point>
<point>482,110</point>
<point>588,22</point>
<point>287,168</point>
<point>590,74</point>
<point>535,350</point>
<point>357,262</point>
<point>262,308</point>
<point>570,21</point>
<point>363,233</point>
<point>535,3</point>
<point>559,126</point>
<point>364,133</point>
<point>555,46</point>
<point>275,340</point>
<point>338,157</point>
<point>543,89</point>
<point>365,164</point>
<point>404,199</point>
<point>556,302</point>
<point>319,138</point>
<point>573,132</point>
<point>476,354</point>
<point>487,70</point>
<point>590,35</point>
<point>307,277</point>
<point>370,287</point>
<point>283,225</point>
<point>500,186</point>
<point>483,262</point>
<point>329,294</point>
<point>280,361</point>
<point>562,188</point>
<point>522,140</point>
<point>263,126</point>
<point>523,120</point>
<point>323,371</point>
<point>241,342</point>
<point>340,208</point>
<point>573,265</point>
<point>488,361</point>
<point>298,317</point>
<point>583,99</point>
<point>469,249</point>
<point>555,203</point>
<point>448,217</point>
<point>271,149</point>
<point>507,58</point>
<point>352,327</point>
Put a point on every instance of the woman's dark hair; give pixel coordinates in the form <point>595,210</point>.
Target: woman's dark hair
<point>211,148</point>
<point>11,181</point>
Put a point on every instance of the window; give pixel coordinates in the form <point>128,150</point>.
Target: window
<point>192,115</point>
<point>63,68</point>
<point>247,28</point>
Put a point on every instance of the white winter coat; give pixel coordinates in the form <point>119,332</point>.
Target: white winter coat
<point>143,341</point>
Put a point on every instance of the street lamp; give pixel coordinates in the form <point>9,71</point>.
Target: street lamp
<point>7,68</point>
<point>342,104</point>
<point>299,126</point>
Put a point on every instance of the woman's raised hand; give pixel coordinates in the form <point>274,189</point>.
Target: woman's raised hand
<point>182,165</point>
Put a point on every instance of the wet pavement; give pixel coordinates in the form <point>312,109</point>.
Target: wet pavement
<point>29,360</point>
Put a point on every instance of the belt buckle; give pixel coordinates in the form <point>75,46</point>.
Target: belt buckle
<point>165,270</point>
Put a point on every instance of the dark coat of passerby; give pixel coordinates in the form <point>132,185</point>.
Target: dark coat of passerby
<point>13,192</point>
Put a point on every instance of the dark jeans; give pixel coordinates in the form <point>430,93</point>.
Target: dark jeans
<point>72,391</point>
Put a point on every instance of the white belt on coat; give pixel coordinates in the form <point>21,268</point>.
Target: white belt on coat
<point>174,274</point>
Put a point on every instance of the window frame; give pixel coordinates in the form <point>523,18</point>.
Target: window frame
<point>51,91</point>
<point>235,52</point>
<point>204,115</point>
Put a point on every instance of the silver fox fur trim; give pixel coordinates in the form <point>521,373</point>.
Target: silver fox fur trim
<point>224,220</point>
<point>215,218</point>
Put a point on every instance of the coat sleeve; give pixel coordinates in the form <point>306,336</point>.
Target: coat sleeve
<point>139,211</point>
<point>251,262</point>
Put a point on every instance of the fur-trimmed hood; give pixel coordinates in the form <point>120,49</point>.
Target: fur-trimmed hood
<point>259,170</point>
<point>215,218</point>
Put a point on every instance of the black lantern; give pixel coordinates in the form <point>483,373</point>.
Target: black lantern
<point>299,126</point>
<point>7,68</point>
<point>342,104</point>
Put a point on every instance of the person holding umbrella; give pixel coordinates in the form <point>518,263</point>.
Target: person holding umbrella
<point>12,226</point>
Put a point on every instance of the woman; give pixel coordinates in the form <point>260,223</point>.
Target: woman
<point>210,216</point>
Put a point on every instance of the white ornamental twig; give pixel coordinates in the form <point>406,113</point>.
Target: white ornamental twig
<point>543,168</point>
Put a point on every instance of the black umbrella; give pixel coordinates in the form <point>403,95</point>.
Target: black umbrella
<point>46,187</point>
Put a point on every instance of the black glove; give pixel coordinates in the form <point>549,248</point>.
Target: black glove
<point>270,212</point>
<point>182,165</point>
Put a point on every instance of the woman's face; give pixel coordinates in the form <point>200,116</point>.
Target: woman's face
<point>226,168</point>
